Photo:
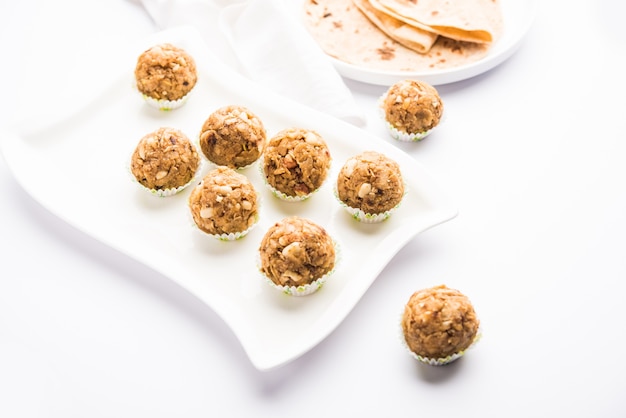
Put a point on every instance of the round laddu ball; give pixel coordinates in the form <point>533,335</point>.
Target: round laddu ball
<point>233,136</point>
<point>225,202</point>
<point>165,72</point>
<point>371,182</point>
<point>296,161</point>
<point>296,251</point>
<point>164,159</point>
<point>412,106</point>
<point>438,322</point>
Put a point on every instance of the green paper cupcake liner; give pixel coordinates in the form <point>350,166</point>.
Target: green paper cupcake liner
<point>307,289</point>
<point>398,134</point>
<point>442,361</point>
<point>368,218</point>
<point>167,192</point>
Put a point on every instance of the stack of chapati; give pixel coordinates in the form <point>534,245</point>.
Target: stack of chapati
<point>404,35</point>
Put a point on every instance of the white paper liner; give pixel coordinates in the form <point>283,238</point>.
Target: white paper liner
<point>400,135</point>
<point>165,105</point>
<point>437,361</point>
<point>286,197</point>
<point>302,290</point>
<point>162,104</point>
<point>368,218</point>
<point>167,192</point>
<point>233,236</point>
<point>404,136</point>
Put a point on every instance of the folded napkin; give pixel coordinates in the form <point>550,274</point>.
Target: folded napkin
<point>264,41</point>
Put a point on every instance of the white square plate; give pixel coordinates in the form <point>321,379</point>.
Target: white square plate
<point>77,168</point>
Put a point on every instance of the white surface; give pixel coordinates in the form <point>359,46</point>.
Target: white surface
<point>102,201</point>
<point>532,151</point>
<point>518,16</point>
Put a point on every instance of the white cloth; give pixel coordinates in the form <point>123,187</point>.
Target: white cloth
<point>263,40</point>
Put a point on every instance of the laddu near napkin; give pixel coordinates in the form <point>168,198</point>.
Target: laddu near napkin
<point>264,41</point>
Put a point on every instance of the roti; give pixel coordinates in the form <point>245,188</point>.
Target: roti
<point>466,20</point>
<point>411,37</point>
<point>346,34</point>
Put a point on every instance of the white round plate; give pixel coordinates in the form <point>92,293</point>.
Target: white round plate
<point>518,17</point>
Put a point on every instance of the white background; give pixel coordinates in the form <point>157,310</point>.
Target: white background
<point>534,152</point>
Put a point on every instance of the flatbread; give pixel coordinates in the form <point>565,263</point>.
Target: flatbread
<point>462,20</point>
<point>411,37</point>
<point>344,33</point>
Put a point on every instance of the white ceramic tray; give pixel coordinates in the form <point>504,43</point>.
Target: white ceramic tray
<point>77,168</point>
<point>518,17</point>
